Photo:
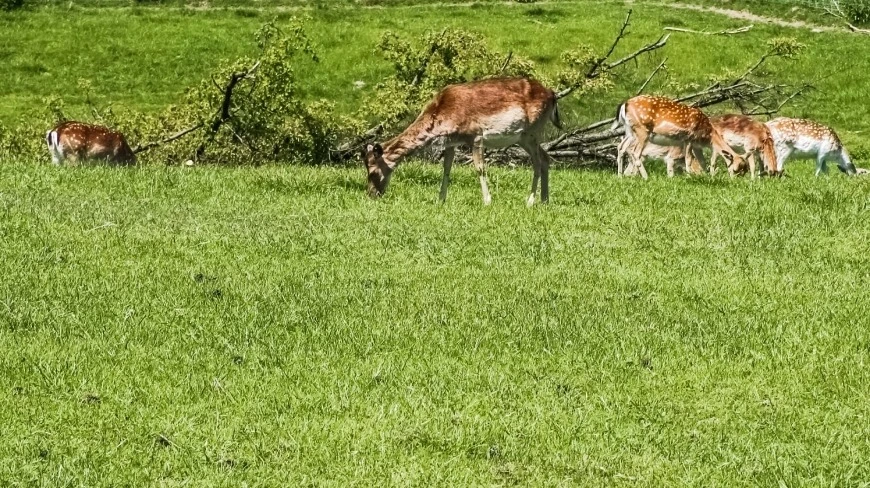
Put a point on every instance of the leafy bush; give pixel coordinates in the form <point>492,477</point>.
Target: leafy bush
<point>10,5</point>
<point>858,11</point>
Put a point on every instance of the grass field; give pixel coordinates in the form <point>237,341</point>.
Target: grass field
<point>272,326</point>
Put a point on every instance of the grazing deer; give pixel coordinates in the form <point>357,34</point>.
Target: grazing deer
<point>753,138</point>
<point>489,113</point>
<point>805,139</point>
<point>666,122</point>
<point>76,141</point>
<point>671,155</point>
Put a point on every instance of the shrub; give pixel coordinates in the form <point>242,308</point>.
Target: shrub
<point>10,5</point>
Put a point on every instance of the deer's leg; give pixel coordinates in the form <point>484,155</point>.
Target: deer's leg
<point>641,136</point>
<point>477,159</point>
<point>532,147</point>
<point>782,154</point>
<point>445,178</point>
<point>669,164</point>
<point>544,163</point>
<point>693,160</point>
<point>750,158</point>
<point>620,154</point>
<point>713,157</point>
<point>821,164</point>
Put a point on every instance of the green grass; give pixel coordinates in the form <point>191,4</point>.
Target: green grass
<point>166,326</point>
<point>278,328</point>
<point>144,58</point>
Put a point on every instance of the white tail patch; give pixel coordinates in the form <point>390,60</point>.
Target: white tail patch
<point>54,148</point>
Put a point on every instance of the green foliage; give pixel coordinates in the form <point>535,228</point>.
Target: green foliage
<point>786,47</point>
<point>855,11</point>
<point>269,120</point>
<point>439,59</point>
<point>10,5</point>
<point>576,72</point>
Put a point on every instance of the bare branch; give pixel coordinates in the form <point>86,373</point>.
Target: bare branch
<point>645,49</point>
<point>651,75</point>
<point>177,135</point>
<point>347,149</point>
<point>649,47</point>
<point>593,71</point>
<point>727,32</point>
<point>781,104</point>
<point>507,61</point>
<point>857,30</point>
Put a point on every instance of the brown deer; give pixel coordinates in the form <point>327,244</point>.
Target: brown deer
<point>77,141</point>
<point>490,113</point>
<point>806,139</point>
<point>753,138</point>
<point>666,122</point>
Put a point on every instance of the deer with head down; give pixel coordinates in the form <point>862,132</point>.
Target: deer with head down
<point>806,139</point>
<point>666,122</point>
<point>77,141</point>
<point>490,113</point>
<point>743,133</point>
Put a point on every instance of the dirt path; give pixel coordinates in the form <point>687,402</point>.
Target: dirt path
<point>734,14</point>
<point>750,17</point>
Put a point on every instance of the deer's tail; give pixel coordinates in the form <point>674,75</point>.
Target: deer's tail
<point>620,117</point>
<point>51,139</point>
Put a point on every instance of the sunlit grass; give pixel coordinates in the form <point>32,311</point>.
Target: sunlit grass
<point>273,325</point>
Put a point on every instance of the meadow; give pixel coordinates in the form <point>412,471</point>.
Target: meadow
<point>272,326</point>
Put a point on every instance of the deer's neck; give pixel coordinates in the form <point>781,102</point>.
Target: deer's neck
<point>418,135</point>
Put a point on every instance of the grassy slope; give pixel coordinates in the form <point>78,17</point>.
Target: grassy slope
<point>144,60</point>
<point>277,327</point>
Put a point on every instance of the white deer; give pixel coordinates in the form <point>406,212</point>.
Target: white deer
<point>806,139</point>
<point>490,113</point>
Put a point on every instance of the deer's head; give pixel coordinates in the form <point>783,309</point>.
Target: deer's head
<point>378,171</point>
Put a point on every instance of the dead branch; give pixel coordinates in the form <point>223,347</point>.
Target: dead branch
<point>593,70</point>
<point>857,30</point>
<point>507,61</point>
<point>601,66</point>
<point>651,76</point>
<point>775,110</point>
<point>177,135</point>
<point>224,114</point>
<point>727,32</point>
<point>649,47</point>
<point>222,117</point>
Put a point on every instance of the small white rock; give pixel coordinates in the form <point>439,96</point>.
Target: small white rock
<point>188,163</point>
<point>358,85</point>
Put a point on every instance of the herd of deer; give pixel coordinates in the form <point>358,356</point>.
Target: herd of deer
<point>505,111</point>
